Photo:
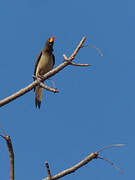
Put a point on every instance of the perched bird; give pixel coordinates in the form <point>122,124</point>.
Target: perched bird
<point>44,63</point>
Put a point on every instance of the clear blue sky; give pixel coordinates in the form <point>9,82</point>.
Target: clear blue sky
<point>95,106</point>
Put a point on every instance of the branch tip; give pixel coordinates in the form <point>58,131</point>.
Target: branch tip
<point>82,65</point>
<point>48,170</point>
<point>111,146</point>
<point>55,90</point>
<point>10,151</point>
<point>98,49</point>
<point>111,163</point>
<point>3,130</point>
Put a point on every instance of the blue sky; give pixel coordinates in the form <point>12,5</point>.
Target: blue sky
<point>95,106</point>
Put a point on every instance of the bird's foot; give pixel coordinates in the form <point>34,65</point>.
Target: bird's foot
<point>34,77</point>
<point>40,76</point>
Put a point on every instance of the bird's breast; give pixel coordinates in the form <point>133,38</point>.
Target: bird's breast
<point>45,64</point>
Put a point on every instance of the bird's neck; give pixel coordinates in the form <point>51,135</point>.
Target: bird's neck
<point>48,50</point>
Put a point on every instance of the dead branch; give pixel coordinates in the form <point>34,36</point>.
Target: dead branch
<point>116,167</point>
<point>94,155</point>
<point>72,63</point>
<point>98,50</point>
<point>11,153</point>
<point>111,146</point>
<point>82,65</point>
<point>74,168</point>
<point>46,76</point>
<point>48,88</point>
<point>48,170</point>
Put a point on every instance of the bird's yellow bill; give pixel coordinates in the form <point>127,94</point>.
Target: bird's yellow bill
<point>51,39</point>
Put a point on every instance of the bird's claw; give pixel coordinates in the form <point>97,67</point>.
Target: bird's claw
<point>40,76</point>
<point>34,77</point>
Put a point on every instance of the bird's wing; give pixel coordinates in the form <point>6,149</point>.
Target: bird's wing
<point>37,61</point>
<point>53,59</point>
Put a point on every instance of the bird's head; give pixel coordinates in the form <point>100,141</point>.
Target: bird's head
<point>49,44</point>
<point>51,40</point>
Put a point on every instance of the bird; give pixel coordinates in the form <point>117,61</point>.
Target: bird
<point>44,63</point>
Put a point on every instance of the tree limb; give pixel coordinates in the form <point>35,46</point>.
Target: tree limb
<point>46,76</point>
<point>82,65</point>
<point>11,154</point>
<point>48,171</point>
<point>48,88</point>
<point>94,155</point>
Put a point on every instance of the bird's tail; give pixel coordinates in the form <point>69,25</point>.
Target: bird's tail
<point>38,96</point>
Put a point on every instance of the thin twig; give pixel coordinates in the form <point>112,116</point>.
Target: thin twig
<point>110,146</point>
<point>116,167</point>
<point>48,170</point>
<point>3,130</point>
<point>49,88</point>
<point>11,156</point>
<point>46,76</point>
<point>54,84</point>
<point>82,65</point>
<point>99,51</point>
<point>11,153</point>
<point>66,58</point>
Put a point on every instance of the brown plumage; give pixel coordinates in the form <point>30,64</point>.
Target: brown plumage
<point>44,63</point>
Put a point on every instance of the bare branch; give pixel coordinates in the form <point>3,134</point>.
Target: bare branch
<point>11,154</point>
<point>49,88</point>
<point>110,146</point>
<point>92,156</point>
<point>46,76</point>
<point>82,65</point>
<point>54,84</point>
<point>77,49</point>
<point>99,51</point>
<point>116,167</point>
<point>68,60</point>
<point>3,131</point>
<point>48,170</point>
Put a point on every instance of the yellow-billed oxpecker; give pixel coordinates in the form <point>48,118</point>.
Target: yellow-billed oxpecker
<point>44,63</point>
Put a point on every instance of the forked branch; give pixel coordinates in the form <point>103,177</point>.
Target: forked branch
<point>94,155</point>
